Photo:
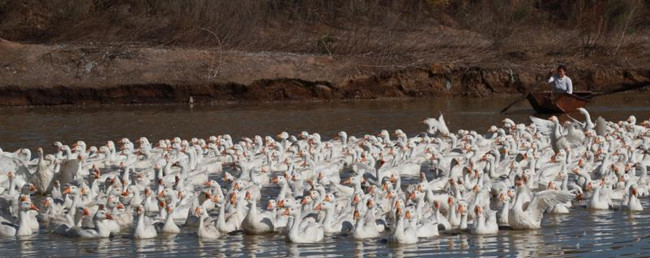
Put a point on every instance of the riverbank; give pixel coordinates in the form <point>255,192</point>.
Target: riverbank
<point>36,74</point>
<point>86,52</point>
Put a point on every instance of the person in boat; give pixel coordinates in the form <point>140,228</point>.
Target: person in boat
<point>559,81</point>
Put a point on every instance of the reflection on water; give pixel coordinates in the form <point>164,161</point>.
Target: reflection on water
<point>617,232</point>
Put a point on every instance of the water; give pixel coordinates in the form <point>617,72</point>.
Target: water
<point>611,232</point>
<point>32,127</point>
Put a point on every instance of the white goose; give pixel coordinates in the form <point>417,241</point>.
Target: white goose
<point>633,202</point>
<point>43,176</point>
<point>144,227</point>
<point>402,233</point>
<point>256,222</point>
<point>364,227</point>
<point>528,214</point>
<point>101,230</point>
<point>23,228</point>
<point>169,226</point>
<point>484,225</point>
<point>206,229</point>
<point>297,232</point>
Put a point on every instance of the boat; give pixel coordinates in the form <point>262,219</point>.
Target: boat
<point>558,102</point>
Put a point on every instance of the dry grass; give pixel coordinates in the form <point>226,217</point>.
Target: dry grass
<point>445,29</point>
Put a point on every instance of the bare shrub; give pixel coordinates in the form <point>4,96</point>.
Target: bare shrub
<point>436,28</point>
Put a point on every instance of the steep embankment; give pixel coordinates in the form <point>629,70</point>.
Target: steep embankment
<point>55,75</point>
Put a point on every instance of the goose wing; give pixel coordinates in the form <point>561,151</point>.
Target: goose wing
<point>581,124</point>
<point>442,125</point>
<point>601,126</point>
<point>543,126</point>
<point>575,136</point>
<point>545,199</point>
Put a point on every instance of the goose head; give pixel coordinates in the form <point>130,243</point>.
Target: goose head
<point>271,204</point>
<point>103,215</point>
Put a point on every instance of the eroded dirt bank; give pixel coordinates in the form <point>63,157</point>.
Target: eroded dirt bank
<point>55,75</point>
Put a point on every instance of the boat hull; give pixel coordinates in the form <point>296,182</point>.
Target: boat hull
<point>554,102</point>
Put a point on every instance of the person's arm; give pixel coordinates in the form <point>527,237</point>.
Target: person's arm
<point>551,77</point>
<point>569,85</point>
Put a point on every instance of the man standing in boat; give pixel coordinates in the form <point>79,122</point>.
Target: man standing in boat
<point>560,82</point>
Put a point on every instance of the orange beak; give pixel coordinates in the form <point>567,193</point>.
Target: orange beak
<point>248,196</point>
<point>120,205</point>
<point>286,212</point>
<point>233,198</point>
<point>109,216</point>
<point>318,207</point>
<point>33,207</point>
<point>370,203</point>
<point>86,212</point>
<point>408,214</point>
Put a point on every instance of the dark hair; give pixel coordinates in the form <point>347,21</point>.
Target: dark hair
<point>563,67</point>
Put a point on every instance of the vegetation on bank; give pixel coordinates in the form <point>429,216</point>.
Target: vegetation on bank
<point>516,28</point>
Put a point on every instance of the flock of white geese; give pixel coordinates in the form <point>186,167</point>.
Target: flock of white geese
<point>389,186</point>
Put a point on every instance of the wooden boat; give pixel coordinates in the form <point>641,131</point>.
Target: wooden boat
<point>554,102</point>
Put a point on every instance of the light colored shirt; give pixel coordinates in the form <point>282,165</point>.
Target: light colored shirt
<point>563,84</point>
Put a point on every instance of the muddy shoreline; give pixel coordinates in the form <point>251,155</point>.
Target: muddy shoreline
<point>34,74</point>
<point>401,84</point>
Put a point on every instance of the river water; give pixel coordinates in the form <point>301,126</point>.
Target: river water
<point>32,127</point>
<point>612,232</point>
